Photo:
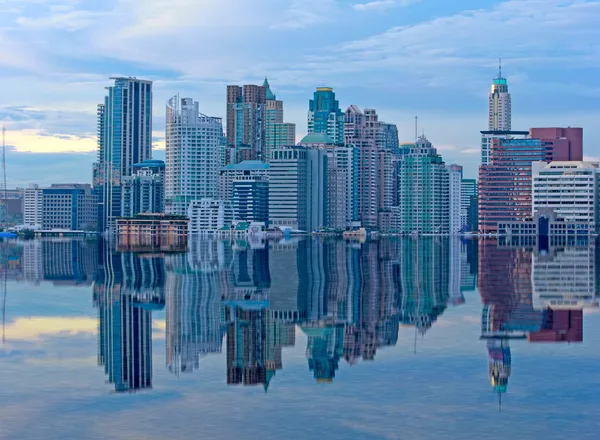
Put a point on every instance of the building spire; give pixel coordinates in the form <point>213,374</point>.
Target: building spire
<point>499,68</point>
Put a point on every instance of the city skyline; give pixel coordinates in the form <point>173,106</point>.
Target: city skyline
<point>52,115</point>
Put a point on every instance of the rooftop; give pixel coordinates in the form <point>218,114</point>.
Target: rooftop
<point>317,138</point>
<point>248,165</point>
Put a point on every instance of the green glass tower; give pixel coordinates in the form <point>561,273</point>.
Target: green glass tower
<point>325,115</point>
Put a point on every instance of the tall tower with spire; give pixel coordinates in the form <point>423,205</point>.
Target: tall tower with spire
<point>278,134</point>
<point>499,104</point>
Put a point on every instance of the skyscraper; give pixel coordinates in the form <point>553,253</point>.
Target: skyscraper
<point>246,113</point>
<point>195,145</point>
<point>325,116</point>
<point>124,139</point>
<point>424,190</point>
<point>144,191</point>
<point>277,133</point>
<point>288,192</point>
<point>499,104</point>
<point>455,191</point>
<point>505,184</point>
<point>467,204</point>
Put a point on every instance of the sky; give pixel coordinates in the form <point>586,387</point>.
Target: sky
<point>429,58</point>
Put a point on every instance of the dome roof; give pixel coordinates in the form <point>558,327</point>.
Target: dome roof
<point>317,138</point>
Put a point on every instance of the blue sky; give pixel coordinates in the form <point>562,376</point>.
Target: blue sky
<point>431,58</point>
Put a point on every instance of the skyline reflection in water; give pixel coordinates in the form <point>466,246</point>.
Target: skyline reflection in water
<point>249,304</point>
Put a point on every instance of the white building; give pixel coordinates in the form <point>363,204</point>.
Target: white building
<point>455,193</point>
<point>33,202</point>
<point>570,189</point>
<point>209,215</point>
<point>342,166</point>
<point>195,146</point>
<point>499,105</point>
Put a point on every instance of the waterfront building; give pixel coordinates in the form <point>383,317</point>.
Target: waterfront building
<point>342,180</point>
<point>246,113</point>
<point>33,205</point>
<point>277,133</point>
<point>251,200</point>
<point>455,193</point>
<point>245,170</point>
<point>468,205</point>
<point>69,207</point>
<point>152,230</point>
<point>362,131</point>
<point>325,115</point>
<point>505,184</point>
<point>194,153</point>
<point>424,187</point>
<point>499,105</point>
<point>209,215</point>
<point>288,188</point>
<point>144,191</point>
<point>570,189</point>
<point>124,139</point>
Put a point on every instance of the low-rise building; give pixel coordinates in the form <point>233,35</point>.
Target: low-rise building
<point>152,229</point>
<point>207,216</point>
<point>69,207</point>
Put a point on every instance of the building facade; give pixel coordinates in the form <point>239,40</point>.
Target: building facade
<point>424,188</point>
<point>489,135</point>
<point>570,189</point>
<point>124,139</point>
<point>468,204</point>
<point>505,184</point>
<point>251,199</point>
<point>194,151</point>
<point>325,115</point>
<point>33,203</point>
<point>246,113</point>
<point>277,133</point>
<point>144,191</point>
<point>455,173</point>
<point>288,188</point>
<point>69,207</point>
<point>209,215</point>
<point>245,170</point>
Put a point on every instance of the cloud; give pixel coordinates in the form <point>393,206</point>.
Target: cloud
<point>380,5</point>
<point>470,151</point>
<point>39,141</point>
<point>35,328</point>
<point>305,13</point>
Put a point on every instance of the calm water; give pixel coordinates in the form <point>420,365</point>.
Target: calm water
<point>435,338</point>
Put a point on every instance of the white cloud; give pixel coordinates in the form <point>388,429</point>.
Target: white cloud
<point>305,13</point>
<point>380,5</point>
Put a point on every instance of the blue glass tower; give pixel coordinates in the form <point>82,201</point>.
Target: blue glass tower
<point>325,115</point>
<point>124,139</point>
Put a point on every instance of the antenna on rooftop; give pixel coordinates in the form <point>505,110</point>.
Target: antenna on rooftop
<point>499,67</point>
<point>416,128</point>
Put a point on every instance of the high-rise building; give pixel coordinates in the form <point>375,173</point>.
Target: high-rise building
<point>69,206</point>
<point>570,189</point>
<point>362,131</point>
<point>468,209</point>
<point>194,153</point>
<point>277,133</point>
<point>251,199</point>
<point>33,203</point>
<point>389,136</point>
<point>505,184</point>
<point>124,139</point>
<point>317,195</point>
<point>342,180</point>
<point>489,135</point>
<point>455,173</point>
<point>424,190</point>
<point>499,105</point>
<point>325,116</point>
<point>288,188</point>
<point>246,113</point>
<point>144,191</point>
<point>245,170</point>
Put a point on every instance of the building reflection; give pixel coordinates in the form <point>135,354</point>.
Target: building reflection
<point>535,290</point>
<point>127,289</point>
